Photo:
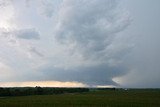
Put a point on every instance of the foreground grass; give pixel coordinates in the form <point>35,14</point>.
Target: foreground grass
<point>119,98</point>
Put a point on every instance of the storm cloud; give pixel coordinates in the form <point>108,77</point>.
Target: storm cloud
<point>91,42</point>
<point>85,46</point>
<point>88,30</point>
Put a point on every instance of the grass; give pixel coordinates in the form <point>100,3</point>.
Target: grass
<point>108,98</point>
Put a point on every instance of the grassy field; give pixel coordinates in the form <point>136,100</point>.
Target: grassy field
<point>108,98</point>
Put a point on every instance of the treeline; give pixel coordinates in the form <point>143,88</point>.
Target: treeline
<point>39,91</point>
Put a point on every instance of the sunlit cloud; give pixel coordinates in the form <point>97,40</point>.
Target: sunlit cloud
<point>42,84</point>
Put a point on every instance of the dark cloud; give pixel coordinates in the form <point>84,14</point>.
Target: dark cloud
<point>93,75</point>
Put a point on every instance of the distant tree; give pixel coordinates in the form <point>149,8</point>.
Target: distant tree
<point>39,90</point>
<point>5,92</point>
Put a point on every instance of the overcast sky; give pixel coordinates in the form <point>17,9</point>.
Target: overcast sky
<point>80,42</point>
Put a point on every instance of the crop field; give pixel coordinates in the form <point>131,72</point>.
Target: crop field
<point>96,98</point>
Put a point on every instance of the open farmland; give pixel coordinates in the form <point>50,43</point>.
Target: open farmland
<point>94,98</point>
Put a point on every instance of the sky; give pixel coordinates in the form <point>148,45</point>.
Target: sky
<point>80,43</point>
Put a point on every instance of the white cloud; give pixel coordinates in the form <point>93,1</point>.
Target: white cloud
<point>7,14</point>
<point>42,84</point>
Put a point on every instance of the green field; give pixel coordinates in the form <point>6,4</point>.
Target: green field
<point>104,98</point>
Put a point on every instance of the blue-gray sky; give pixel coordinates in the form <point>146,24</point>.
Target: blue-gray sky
<point>91,42</point>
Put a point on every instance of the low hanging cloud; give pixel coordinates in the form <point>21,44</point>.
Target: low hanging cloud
<point>92,75</point>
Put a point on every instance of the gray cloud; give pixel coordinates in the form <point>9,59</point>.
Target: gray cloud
<point>27,34</point>
<point>89,29</point>
<point>47,8</point>
<point>35,51</point>
<point>80,43</point>
<point>87,41</point>
<point>21,34</point>
<point>92,75</point>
